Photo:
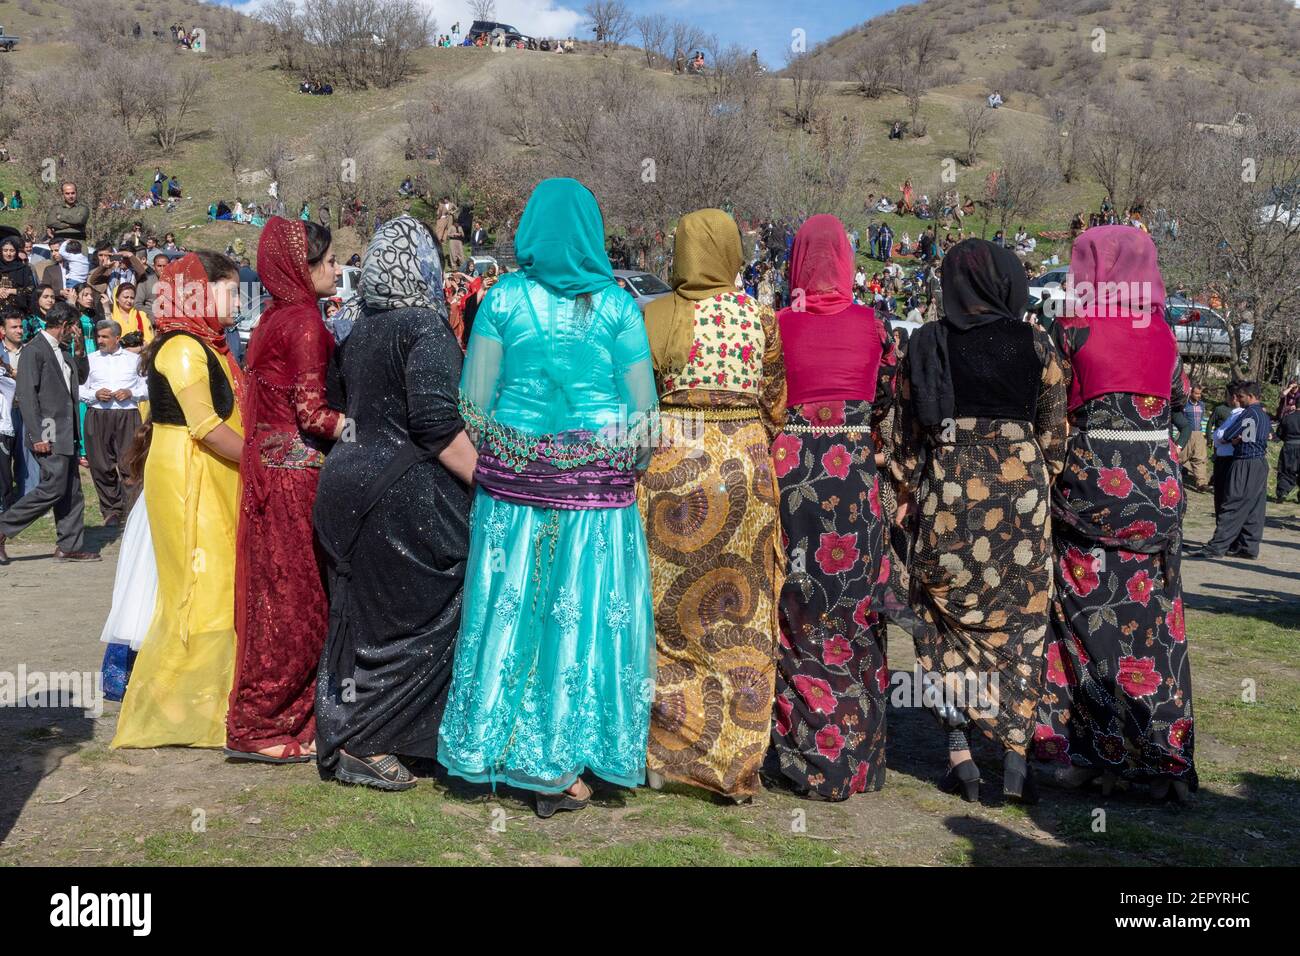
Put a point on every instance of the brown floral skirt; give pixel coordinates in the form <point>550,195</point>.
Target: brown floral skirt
<point>981,578</point>
<point>709,503</point>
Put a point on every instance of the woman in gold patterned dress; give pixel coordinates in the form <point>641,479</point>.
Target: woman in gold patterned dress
<point>710,505</point>
<point>979,438</point>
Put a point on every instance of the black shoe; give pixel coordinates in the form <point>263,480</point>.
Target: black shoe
<point>548,805</point>
<point>386,774</point>
<point>1018,779</point>
<point>1243,555</point>
<point>1199,551</point>
<point>964,777</point>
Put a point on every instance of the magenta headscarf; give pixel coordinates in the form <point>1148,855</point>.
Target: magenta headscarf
<point>1114,275</point>
<point>821,266</point>
<point>1115,270</point>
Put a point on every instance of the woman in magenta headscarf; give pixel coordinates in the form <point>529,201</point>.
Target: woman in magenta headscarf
<point>280,605</point>
<point>828,733</point>
<point>1118,698</point>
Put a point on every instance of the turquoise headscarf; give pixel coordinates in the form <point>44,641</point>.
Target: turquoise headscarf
<point>561,239</point>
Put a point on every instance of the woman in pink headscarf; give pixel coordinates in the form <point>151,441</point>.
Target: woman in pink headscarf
<point>828,733</point>
<point>1118,700</point>
<point>280,605</point>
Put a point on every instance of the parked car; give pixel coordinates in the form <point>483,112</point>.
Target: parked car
<point>1051,284</point>
<point>253,301</point>
<point>642,286</point>
<point>8,41</point>
<point>483,263</point>
<point>1282,208</point>
<point>345,284</point>
<point>493,29</point>
<point>1201,332</point>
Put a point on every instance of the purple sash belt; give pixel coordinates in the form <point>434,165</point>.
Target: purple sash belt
<point>543,485</point>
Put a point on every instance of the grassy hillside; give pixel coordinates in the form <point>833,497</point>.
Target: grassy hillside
<point>985,42</point>
<point>1039,50</point>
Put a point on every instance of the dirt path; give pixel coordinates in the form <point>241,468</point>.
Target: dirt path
<point>66,798</point>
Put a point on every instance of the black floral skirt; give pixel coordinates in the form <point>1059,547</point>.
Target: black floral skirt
<point>828,732</point>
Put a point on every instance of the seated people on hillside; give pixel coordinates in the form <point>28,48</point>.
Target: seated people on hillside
<point>174,187</point>
<point>995,100</point>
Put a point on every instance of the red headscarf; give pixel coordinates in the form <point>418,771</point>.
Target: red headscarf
<point>184,303</point>
<point>821,266</point>
<point>282,265</point>
<point>1115,271</point>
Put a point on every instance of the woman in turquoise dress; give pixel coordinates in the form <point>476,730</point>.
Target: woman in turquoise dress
<point>553,673</point>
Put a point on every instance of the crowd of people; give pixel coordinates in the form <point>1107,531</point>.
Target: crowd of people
<point>510,526</point>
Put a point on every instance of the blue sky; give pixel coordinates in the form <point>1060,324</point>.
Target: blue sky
<point>765,25</point>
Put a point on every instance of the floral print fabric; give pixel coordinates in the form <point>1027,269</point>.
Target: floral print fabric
<point>828,728</point>
<point>1118,683</point>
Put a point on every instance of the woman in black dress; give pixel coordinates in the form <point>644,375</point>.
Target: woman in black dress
<point>392,513</point>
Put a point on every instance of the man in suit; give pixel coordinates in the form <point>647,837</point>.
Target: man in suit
<point>47,385</point>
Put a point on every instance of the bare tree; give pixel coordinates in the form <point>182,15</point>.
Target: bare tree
<point>915,83</point>
<point>274,157</point>
<point>356,43</point>
<point>808,83</point>
<point>653,29</point>
<point>871,64</point>
<point>976,120</point>
<point>235,143</point>
<point>610,21</point>
<point>1225,237</point>
<point>56,143</point>
<point>172,97</point>
<point>1069,119</point>
<point>1022,184</point>
<point>683,39</point>
<point>483,9</point>
<point>125,82</point>
<point>1132,149</point>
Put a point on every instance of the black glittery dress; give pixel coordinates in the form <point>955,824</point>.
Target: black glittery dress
<point>395,525</point>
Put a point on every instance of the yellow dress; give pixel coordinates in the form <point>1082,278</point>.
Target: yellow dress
<point>180,687</point>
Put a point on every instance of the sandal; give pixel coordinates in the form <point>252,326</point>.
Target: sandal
<point>292,753</point>
<point>386,773</point>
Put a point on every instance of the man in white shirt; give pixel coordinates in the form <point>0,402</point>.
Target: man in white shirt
<point>112,393</point>
<point>1223,455</point>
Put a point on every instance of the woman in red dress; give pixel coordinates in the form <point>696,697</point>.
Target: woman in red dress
<point>280,606</point>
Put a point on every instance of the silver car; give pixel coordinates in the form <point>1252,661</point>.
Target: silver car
<point>1201,332</point>
<point>642,286</point>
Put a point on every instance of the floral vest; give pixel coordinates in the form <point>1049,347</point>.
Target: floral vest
<point>727,351</point>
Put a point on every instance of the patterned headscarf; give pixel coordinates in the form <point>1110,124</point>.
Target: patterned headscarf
<point>402,269</point>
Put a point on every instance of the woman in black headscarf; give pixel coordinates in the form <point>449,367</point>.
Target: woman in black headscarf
<point>980,436</point>
<point>14,268</point>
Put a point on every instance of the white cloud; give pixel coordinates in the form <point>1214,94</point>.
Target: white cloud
<point>542,19</point>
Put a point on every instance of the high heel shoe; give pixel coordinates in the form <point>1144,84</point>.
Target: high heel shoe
<point>1018,779</point>
<point>965,777</point>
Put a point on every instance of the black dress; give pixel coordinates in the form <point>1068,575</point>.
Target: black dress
<point>395,524</point>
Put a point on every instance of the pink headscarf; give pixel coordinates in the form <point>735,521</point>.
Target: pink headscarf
<point>1115,271</point>
<point>821,266</point>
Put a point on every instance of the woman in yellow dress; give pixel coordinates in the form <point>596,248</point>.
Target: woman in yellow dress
<point>181,682</point>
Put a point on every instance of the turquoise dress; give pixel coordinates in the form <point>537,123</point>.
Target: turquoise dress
<point>553,672</point>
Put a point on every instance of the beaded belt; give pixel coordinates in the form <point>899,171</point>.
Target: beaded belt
<point>1115,434</point>
<point>826,429</point>
<point>710,414</point>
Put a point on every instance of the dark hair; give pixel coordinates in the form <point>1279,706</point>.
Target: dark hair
<point>61,313</point>
<point>38,292</point>
<point>73,246</point>
<point>1250,388</point>
<point>9,312</point>
<point>120,287</point>
<point>218,266</point>
<point>318,242</point>
<point>133,339</point>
